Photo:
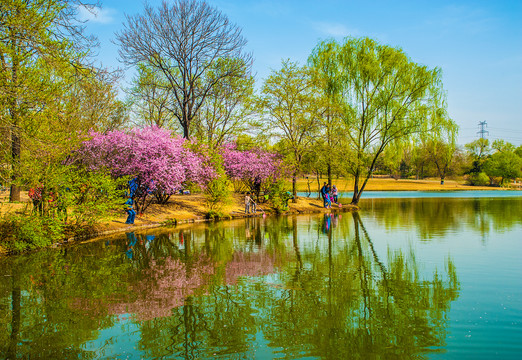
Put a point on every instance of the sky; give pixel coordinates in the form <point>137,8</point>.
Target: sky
<point>477,44</point>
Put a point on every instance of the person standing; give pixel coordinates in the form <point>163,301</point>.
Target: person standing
<point>248,200</point>
<point>334,193</point>
<point>328,199</point>
<point>129,209</point>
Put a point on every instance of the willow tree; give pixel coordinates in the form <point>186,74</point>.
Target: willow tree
<point>183,40</point>
<point>289,99</point>
<point>326,74</point>
<point>441,149</point>
<point>386,98</point>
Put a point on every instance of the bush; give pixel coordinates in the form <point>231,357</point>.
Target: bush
<point>29,232</point>
<point>71,201</point>
<point>279,196</point>
<point>478,179</point>
<point>217,190</point>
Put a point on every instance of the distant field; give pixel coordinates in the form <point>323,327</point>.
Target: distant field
<point>389,184</point>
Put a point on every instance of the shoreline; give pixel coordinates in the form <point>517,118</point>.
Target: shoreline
<point>187,209</point>
<point>171,217</point>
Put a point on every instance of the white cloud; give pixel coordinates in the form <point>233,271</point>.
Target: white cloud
<point>335,29</point>
<point>96,14</point>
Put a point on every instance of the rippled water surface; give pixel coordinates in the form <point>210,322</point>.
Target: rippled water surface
<point>423,278</point>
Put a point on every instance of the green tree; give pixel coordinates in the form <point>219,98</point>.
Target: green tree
<point>152,98</point>
<point>39,41</point>
<point>290,101</point>
<point>502,146</point>
<point>518,151</point>
<point>228,107</point>
<point>441,147</point>
<point>479,151</point>
<point>326,75</point>
<point>386,98</point>
<point>504,164</point>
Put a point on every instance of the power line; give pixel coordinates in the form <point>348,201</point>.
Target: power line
<point>504,129</point>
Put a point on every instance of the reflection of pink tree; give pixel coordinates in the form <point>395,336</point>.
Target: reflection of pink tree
<point>167,283</point>
<point>249,264</point>
<point>164,286</point>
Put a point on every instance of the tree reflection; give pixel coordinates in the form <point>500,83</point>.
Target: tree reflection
<point>434,217</point>
<point>347,304</point>
<point>310,286</point>
<point>374,309</point>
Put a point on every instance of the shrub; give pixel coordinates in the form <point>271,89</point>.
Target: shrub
<point>279,196</point>
<point>28,232</point>
<point>478,179</point>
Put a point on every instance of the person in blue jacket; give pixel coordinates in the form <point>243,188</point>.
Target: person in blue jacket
<point>129,208</point>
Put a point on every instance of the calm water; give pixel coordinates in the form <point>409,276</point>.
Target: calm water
<point>431,278</point>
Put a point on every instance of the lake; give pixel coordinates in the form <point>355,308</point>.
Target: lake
<point>414,277</point>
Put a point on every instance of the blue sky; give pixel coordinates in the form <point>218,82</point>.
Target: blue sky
<point>477,44</point>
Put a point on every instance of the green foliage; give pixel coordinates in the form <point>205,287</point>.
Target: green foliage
<point>478,179</point>
<point>291,101</point>
<point>478,151</point>
<point>170,222</point>
<point>384,98</point>
<point>217,215</point>
<point>92,196</point>
<point>42,48</point>
<point>150,95</point>
<point>72,201</point>
<point>279,196</point>
<point>504,164</point>
<point>227,110</point>
<point>218,189</point>
<point>23,232</point>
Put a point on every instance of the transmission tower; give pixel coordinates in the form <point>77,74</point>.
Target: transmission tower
<point>483,125</point>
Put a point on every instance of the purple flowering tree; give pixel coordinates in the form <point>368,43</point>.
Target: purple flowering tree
<point>253,169</point>
<point>160,163</point>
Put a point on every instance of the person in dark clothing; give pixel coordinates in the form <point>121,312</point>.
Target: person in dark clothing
<point>129,208</point>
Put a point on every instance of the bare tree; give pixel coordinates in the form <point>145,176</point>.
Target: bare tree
<point>183,40</point>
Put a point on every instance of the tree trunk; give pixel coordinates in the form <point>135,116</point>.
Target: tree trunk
<point>294,187</point>
<point>329,169</point>
<point>14,194</point>
<point>186,131</point>
<point>318,184</point>
<point>356,194</point>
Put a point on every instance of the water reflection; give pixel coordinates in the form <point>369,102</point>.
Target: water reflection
<point>436,217</point>
<point>295,286</point>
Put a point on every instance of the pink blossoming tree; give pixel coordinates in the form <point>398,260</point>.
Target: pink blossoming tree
<point>253,169</point>
<point>160,163</point>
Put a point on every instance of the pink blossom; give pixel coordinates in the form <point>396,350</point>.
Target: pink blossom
<point>254,166</point>
<point>160,162</point>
